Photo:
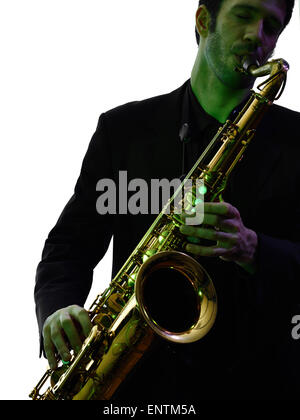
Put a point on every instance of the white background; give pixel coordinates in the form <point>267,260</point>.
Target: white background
<point>63,62</point>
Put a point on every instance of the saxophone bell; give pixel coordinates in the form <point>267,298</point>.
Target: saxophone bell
<point>176,297</point>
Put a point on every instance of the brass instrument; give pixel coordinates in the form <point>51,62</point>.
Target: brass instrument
<point>145,298</point>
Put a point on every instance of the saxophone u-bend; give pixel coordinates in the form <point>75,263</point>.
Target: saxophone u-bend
<point>160,290</point>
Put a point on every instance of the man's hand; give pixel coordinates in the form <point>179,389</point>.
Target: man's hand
<point>223,224</point>
<point>64,330</point>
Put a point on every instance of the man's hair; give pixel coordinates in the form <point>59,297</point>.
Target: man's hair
<point>213,6</point>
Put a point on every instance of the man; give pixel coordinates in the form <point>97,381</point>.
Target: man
<point>249,352</point>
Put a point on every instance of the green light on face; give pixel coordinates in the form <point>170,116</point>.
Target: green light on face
<point>145,258</point>
<point>203,189</point>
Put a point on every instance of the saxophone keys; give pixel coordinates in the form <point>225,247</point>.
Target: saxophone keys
<point>249,136</point>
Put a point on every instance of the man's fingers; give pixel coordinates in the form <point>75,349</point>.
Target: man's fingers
<point>230,225</point>
<point>59,342</point>
<point>225,225</point>
<point>211,251</point>
<point>222,209</point>
<point>50,352</point>
<point>206,251</point>
<point>81,315</point>
<point>205,233</point>
<point>64,331</point>
<point>70,330</point>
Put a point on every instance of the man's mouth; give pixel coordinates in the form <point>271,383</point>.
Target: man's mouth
<point>239,59</point>
<point>246,60</point>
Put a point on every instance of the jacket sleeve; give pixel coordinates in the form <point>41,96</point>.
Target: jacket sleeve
<point>79,239</point>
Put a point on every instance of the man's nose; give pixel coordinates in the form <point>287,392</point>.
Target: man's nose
<point>255,33</point>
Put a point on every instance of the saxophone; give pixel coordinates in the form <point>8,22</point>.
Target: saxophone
<point>161,290</point>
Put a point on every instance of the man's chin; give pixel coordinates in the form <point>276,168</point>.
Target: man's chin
<point>236,80</point>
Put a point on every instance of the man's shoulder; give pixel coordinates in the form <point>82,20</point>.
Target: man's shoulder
<point>148,108</point>
<point>285,113</point>
<point>282,123</point>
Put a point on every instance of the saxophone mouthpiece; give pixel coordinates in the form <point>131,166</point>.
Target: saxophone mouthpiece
<point>248,65</point>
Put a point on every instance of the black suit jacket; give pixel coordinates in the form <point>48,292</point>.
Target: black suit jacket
<point>252,333</point>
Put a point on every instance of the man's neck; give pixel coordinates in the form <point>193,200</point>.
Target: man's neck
<point>217,99</point>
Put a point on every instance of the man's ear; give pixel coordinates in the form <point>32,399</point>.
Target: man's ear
<point>202,20</point>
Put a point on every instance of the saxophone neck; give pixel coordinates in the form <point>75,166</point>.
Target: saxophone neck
<point>272,88</point>
<point>271,68</point>
<point>252,67</point>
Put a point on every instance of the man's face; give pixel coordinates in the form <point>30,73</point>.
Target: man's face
<point>243,28</point>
